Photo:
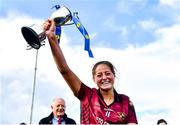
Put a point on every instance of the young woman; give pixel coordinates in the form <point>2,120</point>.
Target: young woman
<point>98,106</point>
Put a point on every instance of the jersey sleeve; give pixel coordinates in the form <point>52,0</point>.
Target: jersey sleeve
<point>84,95</point>
<point>132,114</point>
<point>84,92</point>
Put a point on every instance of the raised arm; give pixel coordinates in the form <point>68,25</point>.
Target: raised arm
<point>72,80</point>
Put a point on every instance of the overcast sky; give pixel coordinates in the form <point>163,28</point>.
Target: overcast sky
<point>140,37</point>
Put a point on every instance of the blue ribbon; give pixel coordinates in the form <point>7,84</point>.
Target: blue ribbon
<point>84,33</point>
<point>58,33</point>
<point>81,28</point>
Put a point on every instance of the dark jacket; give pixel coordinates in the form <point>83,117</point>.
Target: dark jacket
<point>48,120</point>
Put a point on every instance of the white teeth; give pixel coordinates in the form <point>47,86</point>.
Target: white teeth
<point>105,82</point>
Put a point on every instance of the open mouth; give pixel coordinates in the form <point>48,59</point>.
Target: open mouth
<point>105,82</point>
<point>61,110</point>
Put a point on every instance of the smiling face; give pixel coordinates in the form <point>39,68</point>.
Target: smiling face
<point>58,107</point>
<point>104,76</point>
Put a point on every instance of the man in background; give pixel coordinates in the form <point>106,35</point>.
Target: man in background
<point>58,115</point>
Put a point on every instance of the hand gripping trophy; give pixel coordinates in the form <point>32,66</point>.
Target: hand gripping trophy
<point>35,35</point>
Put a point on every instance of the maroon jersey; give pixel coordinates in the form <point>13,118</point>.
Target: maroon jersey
<point>95,111</point>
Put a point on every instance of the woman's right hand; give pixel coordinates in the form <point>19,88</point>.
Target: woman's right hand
<point>49,28</point>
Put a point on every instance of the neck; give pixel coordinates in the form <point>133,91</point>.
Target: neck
<point>108,96</point>
<point>58,117</point>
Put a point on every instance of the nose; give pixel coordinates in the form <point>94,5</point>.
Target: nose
<point>104,77</point>
<point>61,106</point>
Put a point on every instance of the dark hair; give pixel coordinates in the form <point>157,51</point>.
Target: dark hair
<point>110,65</point>
<point>23,123</point>
<point>161,121</point>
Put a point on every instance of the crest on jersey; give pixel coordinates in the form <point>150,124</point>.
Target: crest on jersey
<point>122,116</point>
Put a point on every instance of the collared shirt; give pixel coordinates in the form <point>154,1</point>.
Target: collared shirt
<point>95,111</point>
<point>55,121</point>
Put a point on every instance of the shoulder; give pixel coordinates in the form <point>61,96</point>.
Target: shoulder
<point>43,120</point>
<point>46,120</point>
<point>126,98</point>
<point>85,91</point>
<point>70,121</point>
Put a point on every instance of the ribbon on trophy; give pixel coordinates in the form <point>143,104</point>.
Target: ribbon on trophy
<point>58,33</point>
<point>80,27</point>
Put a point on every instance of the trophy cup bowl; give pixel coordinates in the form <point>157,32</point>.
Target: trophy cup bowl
<point>62,16</point>
<point>35,34</point>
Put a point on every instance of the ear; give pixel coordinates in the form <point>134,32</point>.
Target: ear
<point>51,107</point>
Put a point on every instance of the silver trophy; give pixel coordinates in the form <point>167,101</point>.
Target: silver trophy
<point>35,35</point>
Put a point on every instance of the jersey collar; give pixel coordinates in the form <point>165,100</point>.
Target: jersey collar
<point>117,97</point>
